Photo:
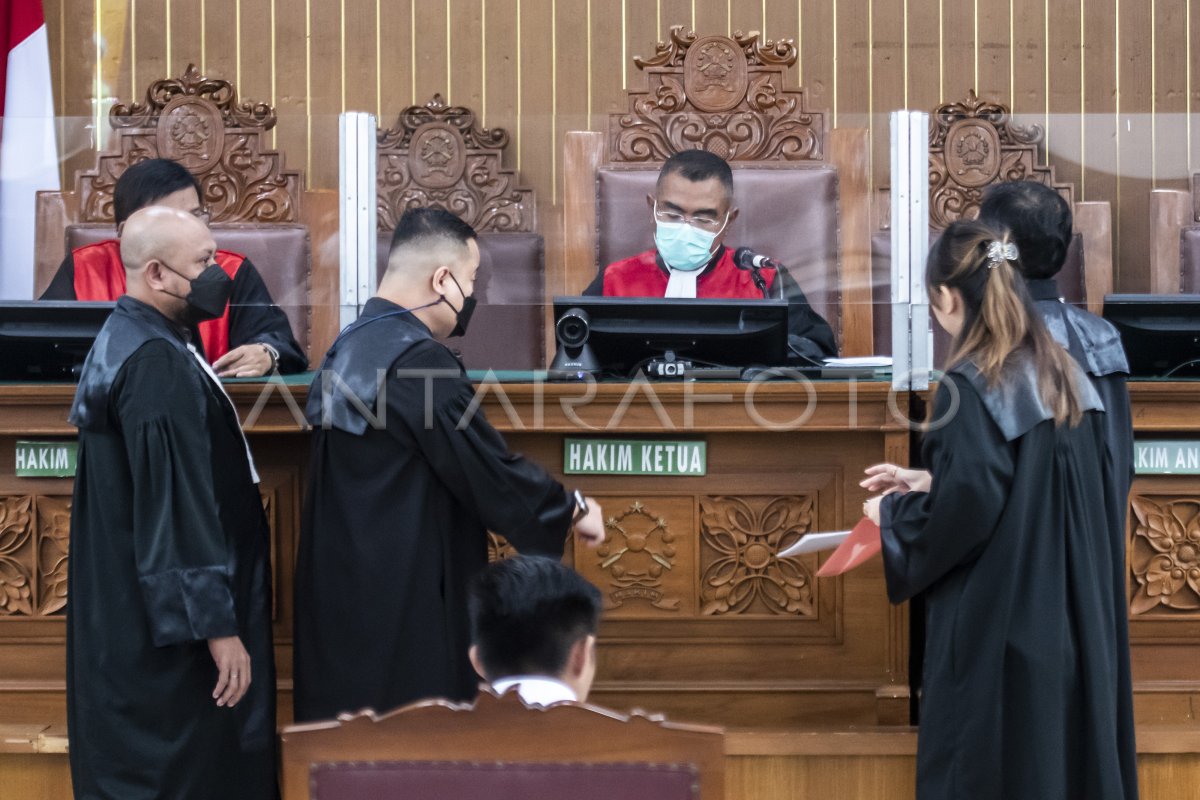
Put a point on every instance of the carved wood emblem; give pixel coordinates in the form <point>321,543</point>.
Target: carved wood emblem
<point>436,155</point>
<point>34,534</point>
<point>638,549</point>
<point>973,144</point>
<point>741,573</point>
<point>718,93</point>
<point>499,548</point>
<point>200,123</point>
<point>1164,555</point>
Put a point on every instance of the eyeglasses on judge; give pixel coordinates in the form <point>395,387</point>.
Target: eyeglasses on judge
<point>703,221</point>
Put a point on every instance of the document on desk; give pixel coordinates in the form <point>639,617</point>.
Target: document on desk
<point>815,543</point>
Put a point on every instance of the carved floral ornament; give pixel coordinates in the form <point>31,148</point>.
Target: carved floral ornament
<point>200,123</point>
<point>741,572</point>
<point>719,93</point>
<point>34,534</point>
<point>438,155</point>
<point>974,144</point>
<point>1164,555</point>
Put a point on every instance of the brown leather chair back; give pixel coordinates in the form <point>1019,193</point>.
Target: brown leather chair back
<point>282,254</point>
<point>789,214</point>
<point>468,780</point>
<point>507,331</point>
<point>1189,260</point>
<point>500,748</point>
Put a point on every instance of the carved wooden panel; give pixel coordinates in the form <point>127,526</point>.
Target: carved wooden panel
<point>499,548</point>
<point>33,555</point>
<point>646,566</point>
<point>1164,556</point>
<point>436,155</point>
<point>718,93</point>
<point>974,144</point>
<point>740,572</point>
<point>201,123</point>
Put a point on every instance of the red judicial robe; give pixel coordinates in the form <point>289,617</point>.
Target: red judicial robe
<point>644,275</point>
<point>95,272</point>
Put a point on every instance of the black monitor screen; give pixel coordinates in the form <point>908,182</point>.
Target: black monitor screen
<point>625,333</point>
<point>1161,332</point>
<point>47,341</point>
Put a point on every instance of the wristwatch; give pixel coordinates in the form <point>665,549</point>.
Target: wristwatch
<point>272,352</point>
<point>581,507</point>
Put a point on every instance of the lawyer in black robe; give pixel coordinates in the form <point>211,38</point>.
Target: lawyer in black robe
<point>169,548</point>
<point>1026,689</point>
<point>405,483</point>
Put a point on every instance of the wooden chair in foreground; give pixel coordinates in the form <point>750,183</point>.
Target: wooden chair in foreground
<point>501,749</point>
<point>259,207</point>
<point>974,144</point>
<point>1175,240</point>
<point>802,189</point>
<point>437,155</point>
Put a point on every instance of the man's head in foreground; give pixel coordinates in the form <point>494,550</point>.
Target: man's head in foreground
<point>533,617</point>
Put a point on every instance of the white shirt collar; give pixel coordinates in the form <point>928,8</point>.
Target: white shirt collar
<point>537,690</point>
<point>681,283</point>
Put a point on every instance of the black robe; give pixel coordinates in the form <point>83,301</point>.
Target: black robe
<point>396,518</point>
<point>1026,678</point>
<point>253,315</point>
<point>169,547</point>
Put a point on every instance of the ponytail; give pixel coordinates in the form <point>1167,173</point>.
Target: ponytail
<point>1000,317</point>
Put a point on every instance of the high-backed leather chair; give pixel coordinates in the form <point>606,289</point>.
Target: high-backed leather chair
<point>436,155</point>
<point>259,208</point>
<point>802,189</point>
<point>1175,245</point>
<point>501,749</point>
<point>974,144</point>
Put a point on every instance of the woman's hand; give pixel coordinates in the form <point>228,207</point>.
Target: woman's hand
<point>888,478</point>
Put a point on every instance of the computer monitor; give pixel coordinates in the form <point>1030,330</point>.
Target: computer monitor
<point>620,335</point>
<point>1161,332</point>
<point>48,341</point>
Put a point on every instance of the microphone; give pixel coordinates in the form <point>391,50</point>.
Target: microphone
<point>746,259</point>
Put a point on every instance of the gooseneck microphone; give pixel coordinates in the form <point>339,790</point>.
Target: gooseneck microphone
<point>747,259</point>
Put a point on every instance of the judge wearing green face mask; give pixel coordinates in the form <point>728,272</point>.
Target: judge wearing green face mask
<point>693,208</point>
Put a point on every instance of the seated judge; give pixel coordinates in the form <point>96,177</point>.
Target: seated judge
<point>533,629</point>
<point>248,337</point>
<point>693,209</point>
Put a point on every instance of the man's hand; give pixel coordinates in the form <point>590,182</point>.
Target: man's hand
<point>590,529</point>
<point>871,508</point>
<point>248,361</point>
<point>888,478</point>
<point>233,668</point>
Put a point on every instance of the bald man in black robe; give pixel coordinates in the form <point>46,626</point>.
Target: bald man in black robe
<point>170,677</point>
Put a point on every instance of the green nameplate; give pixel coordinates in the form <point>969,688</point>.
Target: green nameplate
<point>46,459</point>
<point>1166,458</point>
<point>634,457</point>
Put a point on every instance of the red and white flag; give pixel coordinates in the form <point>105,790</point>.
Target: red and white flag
<point>28,155</point>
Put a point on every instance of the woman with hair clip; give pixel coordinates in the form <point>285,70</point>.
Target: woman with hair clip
<point>1009,538</point>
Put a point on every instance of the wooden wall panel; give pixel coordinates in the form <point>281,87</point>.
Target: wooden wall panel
<point>1129,64</point>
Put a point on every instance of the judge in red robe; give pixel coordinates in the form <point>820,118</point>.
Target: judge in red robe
<point>692,210</point>
<point>253,336</point>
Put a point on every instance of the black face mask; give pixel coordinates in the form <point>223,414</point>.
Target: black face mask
<point>209,293</point>
<point>462,315</point>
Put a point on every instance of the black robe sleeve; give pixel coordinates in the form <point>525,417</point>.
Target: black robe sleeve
<point>512,496</point>
<point>62,287</point>
<point>809,335</point>
<point>927,534</point>
<point>254,317</point>
<point>184,561</point>
<point>596,287</point>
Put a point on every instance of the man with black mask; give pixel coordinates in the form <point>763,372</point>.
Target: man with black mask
<point>407,478</point>
<point>170,673</point>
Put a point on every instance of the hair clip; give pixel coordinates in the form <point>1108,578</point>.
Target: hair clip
<point>1000,251</point>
